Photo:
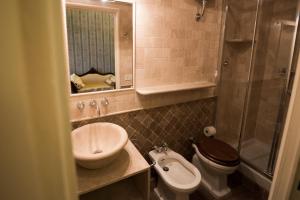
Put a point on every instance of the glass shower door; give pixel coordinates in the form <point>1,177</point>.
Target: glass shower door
<point>267,92</point>
<point>235,68</point>
<point>256,69</point>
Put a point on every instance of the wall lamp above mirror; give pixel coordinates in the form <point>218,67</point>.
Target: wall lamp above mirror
<point>100,45</point>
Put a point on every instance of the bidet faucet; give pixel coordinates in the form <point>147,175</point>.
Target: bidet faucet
<point>157,149</point>
<point>94,104</point>
<point>164,146</point>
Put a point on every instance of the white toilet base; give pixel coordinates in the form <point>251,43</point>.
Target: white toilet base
<point>163,192</point>
<point>213,181</point>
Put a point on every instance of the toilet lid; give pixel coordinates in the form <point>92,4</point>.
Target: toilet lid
<point>218,151</point>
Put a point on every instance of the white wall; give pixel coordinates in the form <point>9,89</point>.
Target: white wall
<point>289,153</point>
<point>35,149</point>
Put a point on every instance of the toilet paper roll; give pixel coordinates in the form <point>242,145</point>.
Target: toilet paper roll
<point>209,131</point>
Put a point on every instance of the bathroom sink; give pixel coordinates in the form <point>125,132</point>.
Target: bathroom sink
<point>98,144</point>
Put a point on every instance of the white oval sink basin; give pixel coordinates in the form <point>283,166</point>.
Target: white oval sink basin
<point>98,144</point>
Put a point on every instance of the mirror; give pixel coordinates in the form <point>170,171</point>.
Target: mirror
<point>100,46</point>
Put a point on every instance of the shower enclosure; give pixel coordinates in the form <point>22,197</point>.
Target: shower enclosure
<point>257,66</point>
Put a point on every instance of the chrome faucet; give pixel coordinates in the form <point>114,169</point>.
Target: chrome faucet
<point>165,146</point>
<point>104,101</point>
<point>94,104</point>
<point>80,106</point>
<point>157,149</point>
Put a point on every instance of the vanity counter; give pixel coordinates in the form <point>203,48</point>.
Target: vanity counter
<point>129,163</point>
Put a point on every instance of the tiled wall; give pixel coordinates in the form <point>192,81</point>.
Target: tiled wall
<point>125,101</point>
<point>173,124</point>
<point>171,47</point>
<point>125,43</point>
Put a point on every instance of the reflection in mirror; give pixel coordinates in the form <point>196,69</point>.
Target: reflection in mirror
<point>100,46</point>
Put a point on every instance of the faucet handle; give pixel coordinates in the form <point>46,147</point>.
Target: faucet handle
<point>164,144</point>
<point>80,106</point>
<point>104,101</point>
<point>157,149</point>
<point>93,103</point>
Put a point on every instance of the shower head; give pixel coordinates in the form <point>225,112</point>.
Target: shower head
<point>200,13</point>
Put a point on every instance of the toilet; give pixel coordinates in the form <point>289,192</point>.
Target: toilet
<point>177,177</point>
<point>215,160</point>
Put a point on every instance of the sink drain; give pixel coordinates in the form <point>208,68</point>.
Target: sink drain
<point>166,169</point>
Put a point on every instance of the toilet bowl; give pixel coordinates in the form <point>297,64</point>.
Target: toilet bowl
<point>215,161</point>
<point>177,177</point>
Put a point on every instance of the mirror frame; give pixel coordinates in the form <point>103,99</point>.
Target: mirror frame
<point>132,88</point>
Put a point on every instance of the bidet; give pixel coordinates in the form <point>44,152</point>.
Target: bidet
<point>177,177</point>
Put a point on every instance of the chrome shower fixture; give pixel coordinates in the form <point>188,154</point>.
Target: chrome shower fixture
<point>201,11</point>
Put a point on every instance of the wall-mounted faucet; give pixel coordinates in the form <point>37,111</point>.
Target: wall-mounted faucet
<point>80,106</point>
<point>104,101</point>
<point>94,104</point>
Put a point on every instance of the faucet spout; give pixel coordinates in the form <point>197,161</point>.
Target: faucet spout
<point>94,104</point>
<point>165,147</point>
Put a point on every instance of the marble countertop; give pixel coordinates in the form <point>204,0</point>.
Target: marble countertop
<point>130,162</point>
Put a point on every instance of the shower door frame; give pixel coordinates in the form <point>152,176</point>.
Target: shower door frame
<point>283,106</point>
<point>269,171</point>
